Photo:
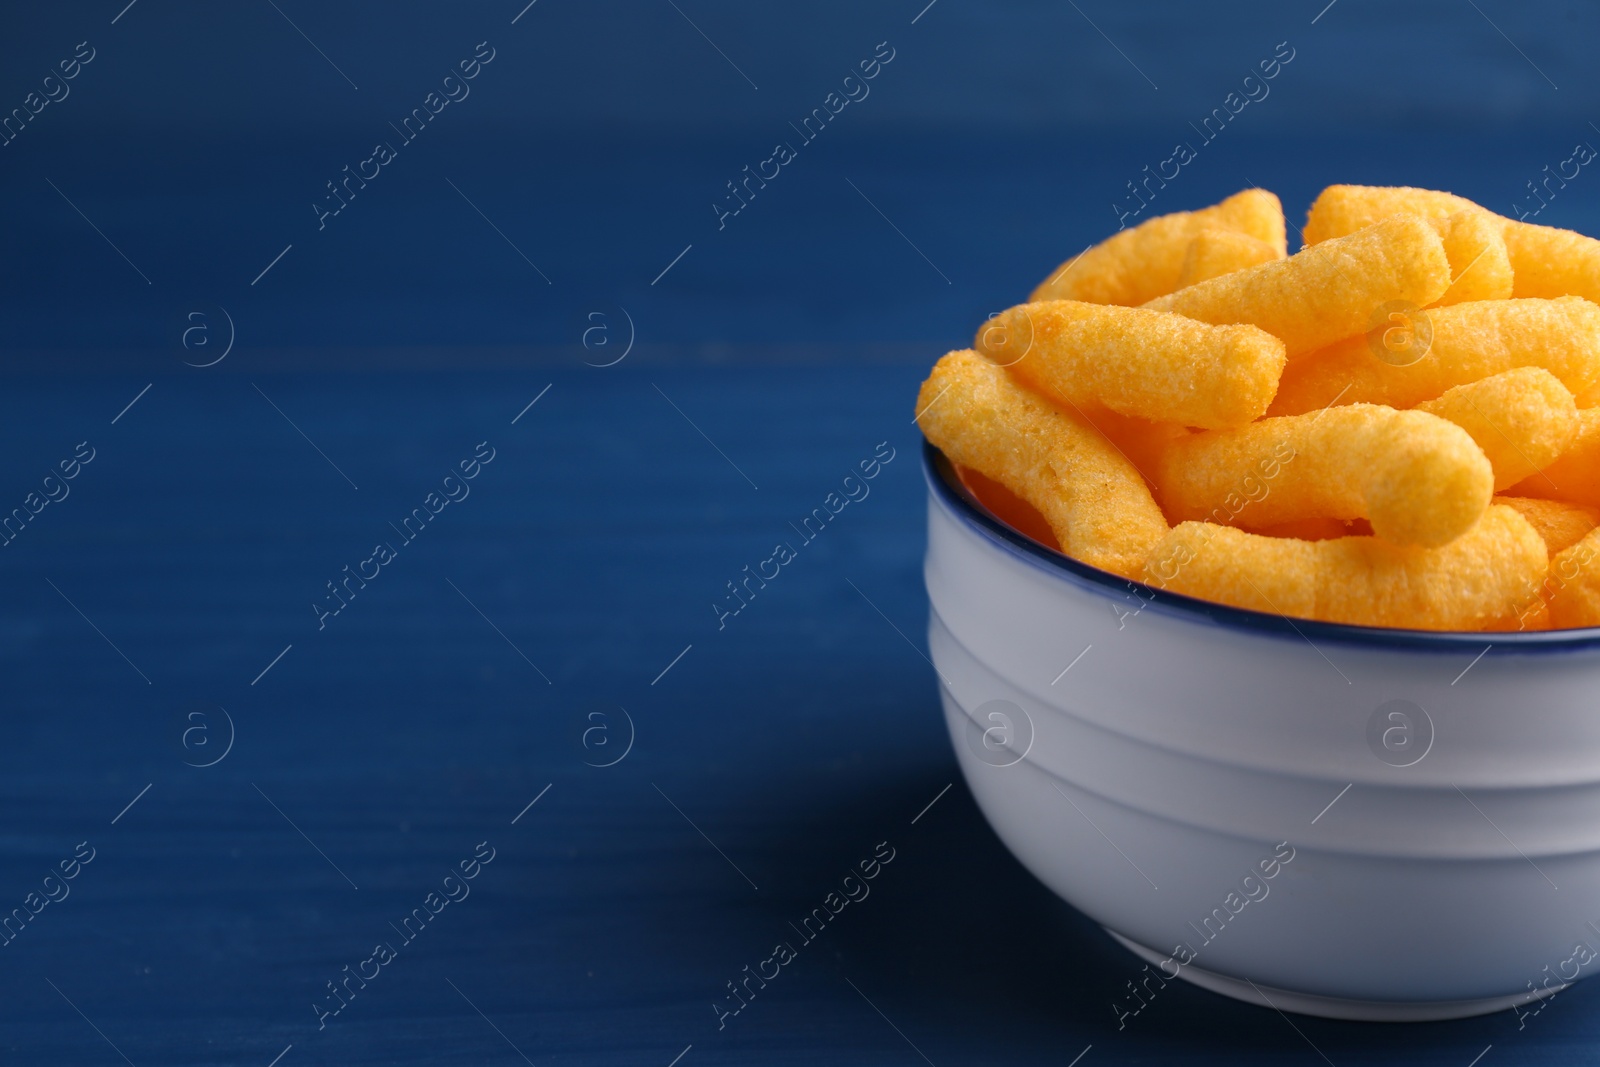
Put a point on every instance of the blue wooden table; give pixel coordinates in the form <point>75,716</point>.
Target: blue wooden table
<point>274,796</point>
<point>374,688</point>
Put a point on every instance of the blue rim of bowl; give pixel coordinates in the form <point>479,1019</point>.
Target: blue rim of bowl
<point>947,487</point>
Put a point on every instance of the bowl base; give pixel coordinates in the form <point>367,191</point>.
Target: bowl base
<point>1381,1011</point>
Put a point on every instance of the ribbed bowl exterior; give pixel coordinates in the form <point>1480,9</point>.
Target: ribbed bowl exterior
<point>1166,748</point>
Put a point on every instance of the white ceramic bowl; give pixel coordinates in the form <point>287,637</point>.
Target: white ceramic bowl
<point>1142,753</point>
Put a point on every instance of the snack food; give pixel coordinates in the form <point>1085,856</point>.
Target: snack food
<point>1468,342</point>
<point>1096,503</point>
<point>1545,261</point>
<point>1574,584</point>
<point>1143,442</point>
<point>1325,292</point>
<point>1318,529</point>
<point>1523,419</point>
<point>1419,479</point>
<point>1213,253</point>
<point>1135,265</point>
<point>1575,476</point>
<point>1319,435</point>
<point>1475,580</point>
<point>1475,245</point>
<point>1560,525</point>
<point>1137,362</point>
<point>1550,262</point>
<point>1343,209</point>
